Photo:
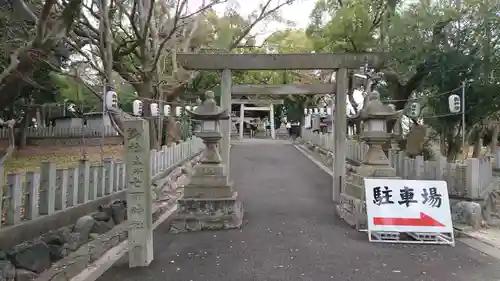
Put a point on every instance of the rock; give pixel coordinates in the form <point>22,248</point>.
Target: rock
<point>7,271</point>
<point>186,170</point>
<point>24,275</point>
<point>172,185</point>
<point>94,236</point>
<point>101,227</point>
<point>177,172</point>
<point>57,252</point>
<point>154,195</point>
<point>84,225</point>
<point>467,213</point>
<point>102,216</point>
<point>106,209</point>
<point>493,222</point>
<point>119,211</point>
<point>58,237</point>
<point>34,257</point>
<point>76,240</point>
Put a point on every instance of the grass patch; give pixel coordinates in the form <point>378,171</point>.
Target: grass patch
<point>29,159</point>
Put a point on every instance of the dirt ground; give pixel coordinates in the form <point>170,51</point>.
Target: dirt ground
<point>29,158</point>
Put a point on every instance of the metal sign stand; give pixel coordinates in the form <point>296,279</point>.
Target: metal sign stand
<point>411,237</point>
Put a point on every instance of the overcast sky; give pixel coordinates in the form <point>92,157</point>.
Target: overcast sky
<point>298,12</point>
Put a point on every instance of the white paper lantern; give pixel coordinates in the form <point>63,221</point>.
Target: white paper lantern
<point>111,100</point>
<point>305,111</point>
<point>321,110</point>
<point>166,110</point>
<point>137,108</point>
<point>414,110</point>
<point>310,111</point>
<point>155,110</point>
<point>316,110</point>
<point>178,111</point>
<point>454,103</point>
<point>329,111</point>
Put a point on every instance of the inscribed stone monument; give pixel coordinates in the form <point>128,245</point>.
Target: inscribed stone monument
<point>139,204</point>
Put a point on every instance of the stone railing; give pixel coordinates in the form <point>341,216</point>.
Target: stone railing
<point>471,179</point>
<point>34,203</point>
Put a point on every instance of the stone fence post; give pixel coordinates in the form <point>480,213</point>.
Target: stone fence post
<point>472,178</point>
<point>497,158</point>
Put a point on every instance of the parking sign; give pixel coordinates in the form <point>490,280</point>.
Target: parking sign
<point>407,206</point>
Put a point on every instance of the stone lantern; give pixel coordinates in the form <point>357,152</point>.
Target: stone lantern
<point>375,115</point>
<point>209,201</point>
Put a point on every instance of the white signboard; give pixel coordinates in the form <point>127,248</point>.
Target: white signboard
<point>408,206</point>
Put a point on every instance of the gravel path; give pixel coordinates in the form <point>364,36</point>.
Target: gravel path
<point>291,233</point>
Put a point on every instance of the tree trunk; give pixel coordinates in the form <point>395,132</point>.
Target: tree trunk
<point>453,148</point>
<point>478,144</point>
<point>24,128</point>
<point>494,139</point>
<point>145,89</point>
<point>442,143</point>
<point>39,120</point>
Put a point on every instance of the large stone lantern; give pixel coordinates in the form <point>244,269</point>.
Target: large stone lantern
<point>209,201</point>
<point>352,206</point>
<point>375,116</point>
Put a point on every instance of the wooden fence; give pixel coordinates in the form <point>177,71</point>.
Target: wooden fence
<point>470,179</point>
<point>34,194</point>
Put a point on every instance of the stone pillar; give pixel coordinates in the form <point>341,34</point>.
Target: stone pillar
<point>139,203</point>
<point>225,101</point>
<point>340,142</point>
<point>271,121</point>
<point>497,159</point>
<point>242,117</point>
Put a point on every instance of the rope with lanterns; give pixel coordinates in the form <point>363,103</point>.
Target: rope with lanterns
<point>186,124</point>
<point>454,104</point>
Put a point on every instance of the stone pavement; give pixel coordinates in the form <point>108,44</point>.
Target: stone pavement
<point>291,233</point>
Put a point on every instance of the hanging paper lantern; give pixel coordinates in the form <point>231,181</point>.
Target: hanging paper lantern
<point>178,111</point>
<point>166,110</point>
<point>414,110</point>
<point>111,100</point>
<point>137,108</point>
<point>155,110</point>
<point>454,103</point>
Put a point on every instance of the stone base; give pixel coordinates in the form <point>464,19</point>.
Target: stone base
<point>376,171</point>
<point>198,214</point>
<point>353,211</point>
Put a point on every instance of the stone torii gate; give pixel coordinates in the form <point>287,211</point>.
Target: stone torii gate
<point>280,90</point>
<point>268,106</point>
<point>304,61</point>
